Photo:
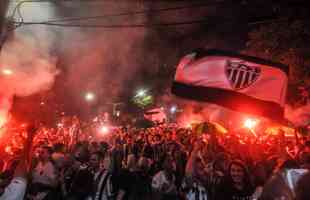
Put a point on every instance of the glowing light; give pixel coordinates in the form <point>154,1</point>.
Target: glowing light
<point>188,125</point>
<point>289,132</point>
<point>42,103</point>
<point>250,123</point>
<point>7,72</point>
<point>173,109</point>
<point>220,128</point>
<point>104,130</point>
<point>3,120</point>
<point>24,125</point>
<point>141,93</point>
<point>8,150</point>
<point>89,96</point>
<point>60,125</point>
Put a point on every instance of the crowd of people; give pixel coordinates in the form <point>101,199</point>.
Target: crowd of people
<point>165,162</point>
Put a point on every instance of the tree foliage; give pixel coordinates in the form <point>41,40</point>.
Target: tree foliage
<point>286,42</point>
<point>143,101</point>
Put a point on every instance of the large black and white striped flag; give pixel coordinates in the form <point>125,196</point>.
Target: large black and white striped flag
<point>239,82</point>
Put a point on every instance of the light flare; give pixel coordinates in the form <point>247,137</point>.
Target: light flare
<point>103,130</point>
<point>7,72</point>
<point>250,123</point>
<point>188,125</point>
<point>89,96</point>
<point>141,93</point>
<point>173,109</point>
<point>8,150</point>
<point>3,120</point>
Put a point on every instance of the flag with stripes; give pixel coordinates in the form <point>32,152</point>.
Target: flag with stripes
<point>239,82</point>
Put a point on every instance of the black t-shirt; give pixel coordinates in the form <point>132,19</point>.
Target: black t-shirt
<point>227,191</point>
<point>136,185</point>
<point>123,181</point>
<point>79,183</point>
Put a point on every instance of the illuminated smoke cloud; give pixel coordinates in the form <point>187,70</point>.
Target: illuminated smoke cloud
<point>102,61</point>
<point>27,66</point>
<point>195,112</point>
<point>200,112</point>
<point>299,116</point>
<point>97,60</point>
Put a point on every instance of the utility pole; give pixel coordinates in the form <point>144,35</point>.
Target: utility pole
<point>3,10</point>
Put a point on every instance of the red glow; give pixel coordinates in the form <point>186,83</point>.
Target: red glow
<point>23,125</point>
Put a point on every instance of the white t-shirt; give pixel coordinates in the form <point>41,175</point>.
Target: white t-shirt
<point>44,173</point>
<point>15,190</point>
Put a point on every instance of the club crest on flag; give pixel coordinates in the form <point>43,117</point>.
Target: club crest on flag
<point>240,75</point>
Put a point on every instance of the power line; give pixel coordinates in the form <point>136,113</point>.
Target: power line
<point>146,25</point>
<point>133,13</point>
<point>146,11</point>
<point>143,25</point>
<point>57,22</point>
<point>269,21</point>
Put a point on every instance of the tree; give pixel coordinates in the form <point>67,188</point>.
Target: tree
<point>285,42</point>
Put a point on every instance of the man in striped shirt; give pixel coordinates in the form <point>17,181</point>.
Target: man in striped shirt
<point>102,186</point>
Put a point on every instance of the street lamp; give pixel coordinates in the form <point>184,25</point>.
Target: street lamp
<point>141,93</point>
<point>173,109</point>
<point>89,96</point>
